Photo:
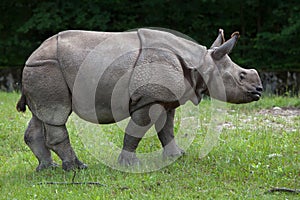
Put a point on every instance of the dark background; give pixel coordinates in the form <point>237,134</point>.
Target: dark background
<point>269,29</point>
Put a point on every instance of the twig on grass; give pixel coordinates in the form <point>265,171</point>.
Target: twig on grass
<point>74,175</point>
<point>72,183</point>
<point>283,189</point>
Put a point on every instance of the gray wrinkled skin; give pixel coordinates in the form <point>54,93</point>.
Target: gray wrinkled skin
<point>106,77</point>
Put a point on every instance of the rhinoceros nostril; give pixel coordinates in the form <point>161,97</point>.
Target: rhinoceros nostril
<point>259,88</point>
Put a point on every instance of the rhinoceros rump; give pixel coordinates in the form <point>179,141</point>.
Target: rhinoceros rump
<point>107,77</point>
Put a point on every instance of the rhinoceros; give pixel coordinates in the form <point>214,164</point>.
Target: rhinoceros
<point>105,77</point>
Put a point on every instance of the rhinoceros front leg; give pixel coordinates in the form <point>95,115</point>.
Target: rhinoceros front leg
<point>165,130</point>
<point>140,122</point>
<point>35,139</point>
<point>57,139</point>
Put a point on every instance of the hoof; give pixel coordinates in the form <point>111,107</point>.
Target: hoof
<point>50,165</point>
<point>127,159</point>
<point>76,164</point>
<point>172,152</point>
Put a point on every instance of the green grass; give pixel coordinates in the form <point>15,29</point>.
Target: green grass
<point>256,152</point>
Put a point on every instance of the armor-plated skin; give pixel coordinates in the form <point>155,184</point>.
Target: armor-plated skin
<point>107,77</point>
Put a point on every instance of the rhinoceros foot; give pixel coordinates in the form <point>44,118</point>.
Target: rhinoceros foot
<point>127,158</point>
<point>76,164</point>
<point>43,165</point>
<point>171,151</point>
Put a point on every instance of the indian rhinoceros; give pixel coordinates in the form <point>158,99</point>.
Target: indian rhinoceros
<point>106,77</point>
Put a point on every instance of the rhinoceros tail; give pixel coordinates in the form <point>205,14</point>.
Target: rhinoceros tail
<point>21,105</point>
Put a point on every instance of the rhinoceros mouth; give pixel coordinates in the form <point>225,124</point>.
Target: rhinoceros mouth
<point>255,95</point>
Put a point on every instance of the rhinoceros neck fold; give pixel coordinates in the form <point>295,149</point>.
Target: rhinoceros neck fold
<point>184,56</point>
<point>191,52</point>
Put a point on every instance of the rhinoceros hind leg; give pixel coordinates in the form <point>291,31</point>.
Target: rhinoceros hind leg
<point>165,134</point>
<point>35,139</point>
<point>139,124</point>
<point>57,139</point>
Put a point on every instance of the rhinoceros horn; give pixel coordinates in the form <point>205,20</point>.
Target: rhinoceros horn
<point>220,39</point>
<point>225,48</point>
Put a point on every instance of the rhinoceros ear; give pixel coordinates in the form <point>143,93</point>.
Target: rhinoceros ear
<point>225,48</point>
<point>220,39</point>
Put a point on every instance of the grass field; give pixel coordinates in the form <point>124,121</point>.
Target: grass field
<point>259,148</point>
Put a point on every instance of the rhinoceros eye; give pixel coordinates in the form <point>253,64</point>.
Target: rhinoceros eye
<point>242,75</point>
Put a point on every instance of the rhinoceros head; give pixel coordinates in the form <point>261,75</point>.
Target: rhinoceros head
<point>228,81</point>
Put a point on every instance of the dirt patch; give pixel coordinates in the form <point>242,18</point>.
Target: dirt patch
<point>282,119</point>
<point>284,111</point>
